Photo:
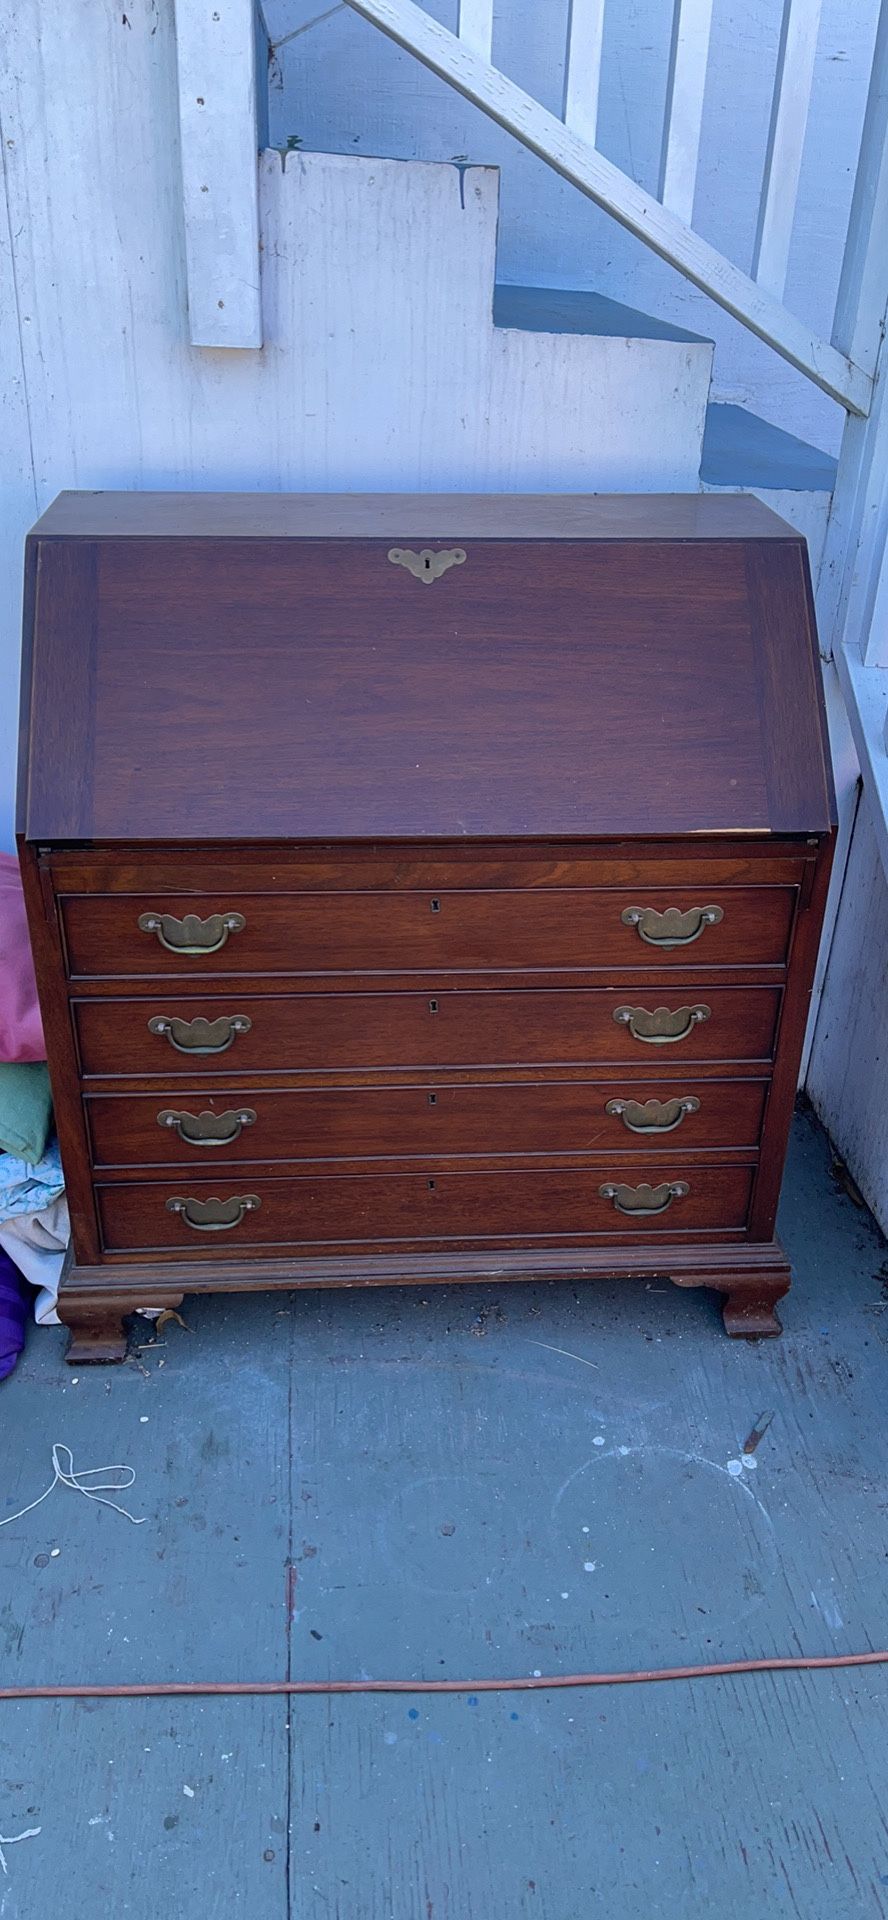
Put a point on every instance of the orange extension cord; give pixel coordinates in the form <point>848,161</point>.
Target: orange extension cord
<point>164,1689</point>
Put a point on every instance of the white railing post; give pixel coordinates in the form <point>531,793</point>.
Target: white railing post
<point>219,142</point>
<point>476,26</point>
<point>582,67</point>
<point>786,139</point>
<point>685,89</point>
<point>849,596</point>
<point>863,285</point>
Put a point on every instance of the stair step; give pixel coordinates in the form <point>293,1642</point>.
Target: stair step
<point>580,310</point>
<point>741,450</point>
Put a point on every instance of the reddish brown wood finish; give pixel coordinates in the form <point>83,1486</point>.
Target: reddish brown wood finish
<point>380,707</point>
<point>449,930</point>
<point>447,1028</point>
<point>94,1300</point>
<point>431,805</point>
<point>493,865</point>
<point>451,516</point>
<point>370,1211</point>
<point>417,1121</point>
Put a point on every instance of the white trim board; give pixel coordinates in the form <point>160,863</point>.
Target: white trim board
<point>866,697</point>
<point>219,151</point>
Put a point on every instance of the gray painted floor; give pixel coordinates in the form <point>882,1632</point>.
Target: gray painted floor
<point>402,1484</point>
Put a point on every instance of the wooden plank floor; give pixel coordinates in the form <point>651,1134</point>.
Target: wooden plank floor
<point>465,1483</point>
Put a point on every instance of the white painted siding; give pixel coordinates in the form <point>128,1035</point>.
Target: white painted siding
<point>338,85</point>
<point>849,1060</point>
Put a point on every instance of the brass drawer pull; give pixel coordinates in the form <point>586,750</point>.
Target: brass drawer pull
<point>207,1129</point>
<point>192,935</point>
<point>664,1025</point>
<point>200,1035</point>
<point>672,928</point>
<point>214,1216</point>
<point>644,1200</point>
<point>653,1116</point>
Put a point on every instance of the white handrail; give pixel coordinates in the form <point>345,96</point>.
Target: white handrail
<point>582,67</point>
<point>786,138</point>
<point>685,89</point>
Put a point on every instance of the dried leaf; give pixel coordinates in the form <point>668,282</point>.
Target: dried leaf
<point>168,1314</point>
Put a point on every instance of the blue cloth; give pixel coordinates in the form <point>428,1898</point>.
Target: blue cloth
<point>27,1189</point>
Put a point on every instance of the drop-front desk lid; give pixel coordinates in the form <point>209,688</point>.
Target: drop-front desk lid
<point>235,667</point>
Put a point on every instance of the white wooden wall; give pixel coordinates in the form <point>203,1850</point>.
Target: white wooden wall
<point>848,1075</point>
<point>380,368</point>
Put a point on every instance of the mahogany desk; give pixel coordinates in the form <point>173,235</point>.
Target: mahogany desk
<point>422,888</point>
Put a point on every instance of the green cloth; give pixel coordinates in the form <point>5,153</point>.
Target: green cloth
<point>25,1109</point>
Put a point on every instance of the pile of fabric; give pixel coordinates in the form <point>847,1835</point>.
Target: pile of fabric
<point>33,1213</point>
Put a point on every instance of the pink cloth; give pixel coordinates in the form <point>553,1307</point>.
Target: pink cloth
<point>21,1029</point>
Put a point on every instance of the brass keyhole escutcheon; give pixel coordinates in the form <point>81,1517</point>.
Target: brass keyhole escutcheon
<point>427,565</point>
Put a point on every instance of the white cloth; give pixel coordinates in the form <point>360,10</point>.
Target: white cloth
<point>38,1242</point>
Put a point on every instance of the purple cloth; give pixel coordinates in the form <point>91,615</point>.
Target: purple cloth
<point>15,1312</point>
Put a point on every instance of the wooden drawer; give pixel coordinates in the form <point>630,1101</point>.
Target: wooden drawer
<point>283,1032</point>
<point>208,1128</point>
<point>449,929</point>
<point>411,1210</point>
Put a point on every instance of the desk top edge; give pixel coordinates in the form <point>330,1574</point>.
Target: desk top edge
<point>512,516</point>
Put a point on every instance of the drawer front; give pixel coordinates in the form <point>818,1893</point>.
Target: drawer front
<point>218,1218</point>
<point>353,1123</point>
<point>278,1032</point>
<point>232,932</point>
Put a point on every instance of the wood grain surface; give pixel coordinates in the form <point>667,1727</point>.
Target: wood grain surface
<point>447,1028</point>
<point>402,1123</point>
<point>546,929</point>
<point>543,687</point>
<point>341,1213</point>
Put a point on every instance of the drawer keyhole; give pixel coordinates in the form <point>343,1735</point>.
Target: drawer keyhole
<point>433,1099</point>
<point>435,906</point>
<point>433,1006</point>
<point>431,1186</point>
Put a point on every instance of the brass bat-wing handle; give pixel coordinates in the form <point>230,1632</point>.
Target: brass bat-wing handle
<point>664,1025</point>
<point>192,935</point>
<point>643,1201</point>
<point>207,1129</point>
<point>214,1216</point>
<point>653,1116</point>
<point>671,928</point>
<point>200,1035</point>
